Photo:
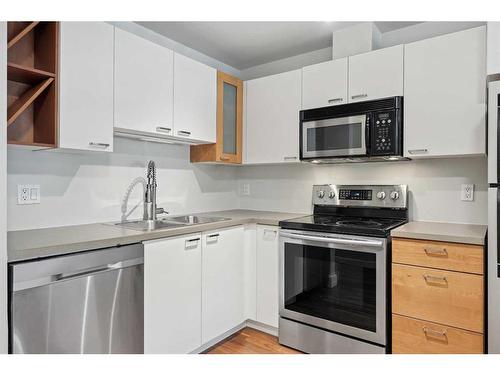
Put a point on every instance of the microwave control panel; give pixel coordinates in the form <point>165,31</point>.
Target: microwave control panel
<point>384,133</point>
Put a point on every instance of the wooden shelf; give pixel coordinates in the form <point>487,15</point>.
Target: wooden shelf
<point>26,74</point>
<point>32,80</point>
<point>25,31</point>
<point>25,100</point>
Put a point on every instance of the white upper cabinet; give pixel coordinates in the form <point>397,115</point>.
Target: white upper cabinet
<point>271,109</point>
<point>143,85</point>
<point>223,278</point>
<point>493,47</point>
<point>172,295</point>
<point>195,100</point>
<point>324,84</point>
<point>86,86</point>
<point>376,74</point>
<point>267,275</point>
<point>445,95</point>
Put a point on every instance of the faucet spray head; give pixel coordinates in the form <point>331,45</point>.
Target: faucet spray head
<point>151,173</point>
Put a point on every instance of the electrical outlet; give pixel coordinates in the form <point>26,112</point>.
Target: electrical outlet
<point>28,194</point>
<point>467,193</point>
<point>246,189</point>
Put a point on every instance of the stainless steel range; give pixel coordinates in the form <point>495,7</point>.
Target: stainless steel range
<point>334,273</point>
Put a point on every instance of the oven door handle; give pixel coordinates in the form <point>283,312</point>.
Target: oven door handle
<point>343,241</point>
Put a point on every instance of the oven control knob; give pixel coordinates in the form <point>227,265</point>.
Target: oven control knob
<point>331,195</point>
<point>394,195</point>
<point>321,194</point>
<point>381,195</point>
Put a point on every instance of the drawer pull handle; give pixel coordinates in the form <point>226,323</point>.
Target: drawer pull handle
<point>359,96</point>
<point>437,252</point>
<point>434,333</point>
<point>418,151</point>
<point>435,279</point>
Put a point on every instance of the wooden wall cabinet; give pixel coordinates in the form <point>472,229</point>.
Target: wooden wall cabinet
<point>32,65</point>
<point>228,147</point>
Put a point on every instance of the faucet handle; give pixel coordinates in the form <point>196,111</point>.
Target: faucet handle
<point>160,210</point>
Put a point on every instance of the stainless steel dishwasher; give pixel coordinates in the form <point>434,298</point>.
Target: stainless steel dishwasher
<point>91,302</point>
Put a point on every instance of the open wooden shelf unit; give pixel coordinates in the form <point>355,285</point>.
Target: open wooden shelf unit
<point>32,65</point>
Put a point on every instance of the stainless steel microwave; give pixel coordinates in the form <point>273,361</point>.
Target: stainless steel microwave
<point>363,131</point>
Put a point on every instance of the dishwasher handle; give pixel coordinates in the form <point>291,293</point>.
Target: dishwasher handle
<point>66,276</point>
<point>93,270</point>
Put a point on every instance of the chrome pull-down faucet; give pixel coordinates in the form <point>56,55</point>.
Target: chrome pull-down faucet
<point>150,209</point>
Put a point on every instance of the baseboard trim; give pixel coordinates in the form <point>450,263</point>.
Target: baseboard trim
<point>247,323</point>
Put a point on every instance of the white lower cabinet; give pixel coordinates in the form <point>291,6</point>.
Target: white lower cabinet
<point>172,295</point>
<point>267,275</point>
<point>223,289</point>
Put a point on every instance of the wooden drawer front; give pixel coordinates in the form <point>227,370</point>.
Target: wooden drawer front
<point>435,254</point>
<point>445,297</point>
<point>413,336</point>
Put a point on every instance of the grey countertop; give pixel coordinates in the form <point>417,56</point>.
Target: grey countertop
<point>449,232</point>
<point>39,243</point>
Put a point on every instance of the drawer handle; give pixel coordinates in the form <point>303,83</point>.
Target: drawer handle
<point>286,158</point>
<point>212,238</point>
<point>435,279</point>
<point>192,243</point>
<point>436,251</point>
<point>435,333</point>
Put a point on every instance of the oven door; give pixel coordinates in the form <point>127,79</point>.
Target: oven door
<point>341,136</point>
<point>334,282</point>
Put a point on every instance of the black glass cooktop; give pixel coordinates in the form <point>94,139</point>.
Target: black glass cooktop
<point>363,226</point>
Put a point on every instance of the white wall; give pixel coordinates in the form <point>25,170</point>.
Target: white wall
<point>3,210</point>
<point>434,186</point>
<point>85,188</point>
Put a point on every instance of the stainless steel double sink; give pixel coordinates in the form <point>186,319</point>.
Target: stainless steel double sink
<point>169,222</point>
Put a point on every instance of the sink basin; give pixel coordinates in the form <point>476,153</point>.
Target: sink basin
<point>193,219</point>
<point>148,225</point>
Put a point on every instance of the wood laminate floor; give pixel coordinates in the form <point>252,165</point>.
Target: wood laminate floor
<point>251,341</point>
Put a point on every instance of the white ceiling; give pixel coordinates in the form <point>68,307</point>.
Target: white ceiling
<point>246,44</point>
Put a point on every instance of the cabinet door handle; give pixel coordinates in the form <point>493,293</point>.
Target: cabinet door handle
<point>184,133</point>
<point>192,243</point>
<point>434,333</point>
<point>161,129</point>
<point>224,158</point>
<point>335,100</point>
<point>435,279</point>
<point>98,144</point>
<point>435,251</point>
<point>358,96</point>
<point>211,238</point>
<point>418,151</point>
<point>286,158</point>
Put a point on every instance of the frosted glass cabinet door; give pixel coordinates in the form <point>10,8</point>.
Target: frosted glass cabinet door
<point>229,118</point>
<point>143,85</point>
<point>86,86</point>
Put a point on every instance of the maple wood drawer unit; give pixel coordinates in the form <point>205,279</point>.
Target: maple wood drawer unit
<point>436,254</point>
<point>444,297</point>
<point>418,336</point>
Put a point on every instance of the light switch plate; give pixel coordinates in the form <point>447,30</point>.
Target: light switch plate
<point>28,194</point>
<point>467,193</point>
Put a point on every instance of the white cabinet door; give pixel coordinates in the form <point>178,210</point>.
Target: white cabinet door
<point>86,86</point>
<point>267,275</point>
<point>195,100</point>
<point>272,118</point>
<point>172,295</point>
<point>376,74</point>
<point>324,84</point>
<point>223,287</point>
<point>493,48</point>
<point>143,85</point>
<point>445,95</point>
